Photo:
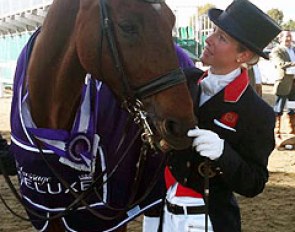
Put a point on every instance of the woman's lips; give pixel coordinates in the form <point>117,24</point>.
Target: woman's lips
<point>207,52</point>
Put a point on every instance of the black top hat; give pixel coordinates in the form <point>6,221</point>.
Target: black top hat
<point>246,23</point>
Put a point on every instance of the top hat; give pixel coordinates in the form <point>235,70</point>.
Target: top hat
<point>247,24</point>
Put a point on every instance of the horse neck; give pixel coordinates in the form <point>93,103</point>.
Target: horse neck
<point>55,73</point>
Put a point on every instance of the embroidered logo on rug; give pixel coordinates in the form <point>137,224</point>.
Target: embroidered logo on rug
<point>79,148</point>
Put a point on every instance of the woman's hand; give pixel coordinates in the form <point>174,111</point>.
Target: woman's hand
<point>207,143</point>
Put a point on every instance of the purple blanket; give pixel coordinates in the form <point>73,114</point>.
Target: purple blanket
<point>80,156</point>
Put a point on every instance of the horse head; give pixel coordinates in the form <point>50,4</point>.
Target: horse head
<point>132,51</point>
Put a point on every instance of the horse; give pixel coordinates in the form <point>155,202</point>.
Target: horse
<point>98,99</point>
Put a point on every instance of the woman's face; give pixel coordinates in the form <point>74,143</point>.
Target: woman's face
<point>221,52</point>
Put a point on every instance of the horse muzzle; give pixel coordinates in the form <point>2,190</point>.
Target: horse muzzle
<point>173,135</point>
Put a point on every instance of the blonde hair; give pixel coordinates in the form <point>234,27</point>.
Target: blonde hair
<point>255,58</point>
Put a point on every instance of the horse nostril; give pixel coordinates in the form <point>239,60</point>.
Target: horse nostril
<point>173,128</point>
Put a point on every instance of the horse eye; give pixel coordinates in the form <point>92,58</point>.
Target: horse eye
<point>129,28</point>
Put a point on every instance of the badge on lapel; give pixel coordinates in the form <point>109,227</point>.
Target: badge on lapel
<point>228,121</point>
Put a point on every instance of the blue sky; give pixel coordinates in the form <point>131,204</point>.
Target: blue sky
<point>287,6</point>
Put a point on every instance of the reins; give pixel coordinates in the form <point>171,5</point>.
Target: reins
<point>206,192</point>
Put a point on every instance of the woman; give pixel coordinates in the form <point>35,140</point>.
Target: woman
<point>234,136</point>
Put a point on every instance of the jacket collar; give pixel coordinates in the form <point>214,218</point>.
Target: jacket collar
<point>235,89</point>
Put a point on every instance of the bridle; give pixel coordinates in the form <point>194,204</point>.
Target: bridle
<point>132,97</point>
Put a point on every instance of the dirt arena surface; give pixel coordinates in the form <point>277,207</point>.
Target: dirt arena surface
<point>271,211</point>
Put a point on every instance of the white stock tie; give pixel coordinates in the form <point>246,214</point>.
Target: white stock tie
<point>213,83</point>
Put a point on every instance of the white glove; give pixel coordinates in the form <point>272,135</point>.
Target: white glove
<point>207,143</point>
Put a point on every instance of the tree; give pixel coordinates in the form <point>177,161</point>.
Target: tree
<point>290,25</point>
<point>204,9</point>
<point>277,15</point>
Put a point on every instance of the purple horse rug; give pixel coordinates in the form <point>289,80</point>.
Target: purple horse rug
<point>72,162</point>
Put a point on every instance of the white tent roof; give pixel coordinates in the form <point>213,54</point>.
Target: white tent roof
<point>18,15</point>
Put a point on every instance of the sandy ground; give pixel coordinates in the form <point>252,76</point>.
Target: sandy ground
<point>271,211</point>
